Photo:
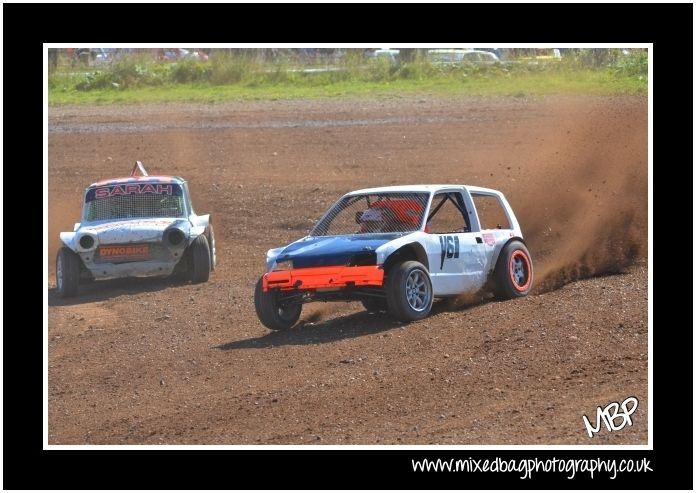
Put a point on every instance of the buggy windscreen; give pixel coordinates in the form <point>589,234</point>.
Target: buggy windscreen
<point>134,201</point>
<point>396,212</point>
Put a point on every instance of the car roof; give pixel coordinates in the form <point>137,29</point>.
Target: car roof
<point>139,179</point>
<point>415,188</point>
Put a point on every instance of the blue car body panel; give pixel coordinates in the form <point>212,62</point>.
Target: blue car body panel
<point>321,251</point>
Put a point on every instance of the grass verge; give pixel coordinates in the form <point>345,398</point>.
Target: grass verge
<point>231,80</point>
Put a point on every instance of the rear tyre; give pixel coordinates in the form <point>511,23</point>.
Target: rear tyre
<point>409,291</point>
<point>374,305</point>
<point>67,272</point>
<point>514,274</point>
<point>200,259</point>
<point>272,313</point>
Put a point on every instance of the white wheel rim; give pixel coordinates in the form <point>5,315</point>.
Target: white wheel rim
<point>417,290</point>
<point>519,272</point>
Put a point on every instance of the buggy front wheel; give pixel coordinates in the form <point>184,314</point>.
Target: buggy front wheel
<point>273,313</point>
<point>409,291</point>
<point>67,272</point>
<point>200,259</point>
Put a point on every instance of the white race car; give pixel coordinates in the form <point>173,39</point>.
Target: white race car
<point>397,248</point>
<point>136,226</point>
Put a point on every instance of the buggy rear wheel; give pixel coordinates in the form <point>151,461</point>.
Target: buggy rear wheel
<point>514,273</point>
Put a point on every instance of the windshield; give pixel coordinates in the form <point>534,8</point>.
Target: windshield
<point>130,201</point>
<point>374,213</point>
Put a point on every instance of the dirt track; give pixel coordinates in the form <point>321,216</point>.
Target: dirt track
<point>152,361</point>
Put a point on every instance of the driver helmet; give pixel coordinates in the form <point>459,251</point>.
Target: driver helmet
<point>372,221</point>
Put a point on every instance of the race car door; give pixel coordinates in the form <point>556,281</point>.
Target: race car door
<point>456,256</point>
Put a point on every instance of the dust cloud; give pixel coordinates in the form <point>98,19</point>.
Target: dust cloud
<point>583,206</point>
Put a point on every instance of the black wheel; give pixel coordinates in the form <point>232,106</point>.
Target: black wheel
<point>409,291</point>
<point>374,305</point>
<point>200,259</point>
<point>67,272</point>
<point>210,234</point>
<point>271,313</point>
<point>514,273</point>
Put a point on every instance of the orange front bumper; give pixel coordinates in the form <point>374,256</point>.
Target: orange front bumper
<point>324,277</point>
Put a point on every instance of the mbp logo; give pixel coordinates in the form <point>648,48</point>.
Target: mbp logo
<point>610,414</point>
<point>449,248</point>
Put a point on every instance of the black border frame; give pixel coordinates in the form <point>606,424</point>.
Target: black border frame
<point>671,460</point>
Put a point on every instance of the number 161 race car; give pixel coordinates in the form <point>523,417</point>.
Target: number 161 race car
<point>397,248</point>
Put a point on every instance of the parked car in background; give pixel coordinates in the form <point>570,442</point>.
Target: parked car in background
<point>457,56</point>
<point>176,54</point>
<point>385,53</point>
<point>496,51</point>
<point>195,54</point>
<point>90,56</point>
<point>168,54</point>
<point>101,56</point>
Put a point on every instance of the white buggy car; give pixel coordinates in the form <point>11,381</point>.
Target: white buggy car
<point>134,227</point>
<point>396,249</point>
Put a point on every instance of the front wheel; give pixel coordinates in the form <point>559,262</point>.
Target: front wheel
<point>200,259</point>
<point>67,272</point>
<point>514,273</point>
<point>409,291</point>
<point>271,312</point>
